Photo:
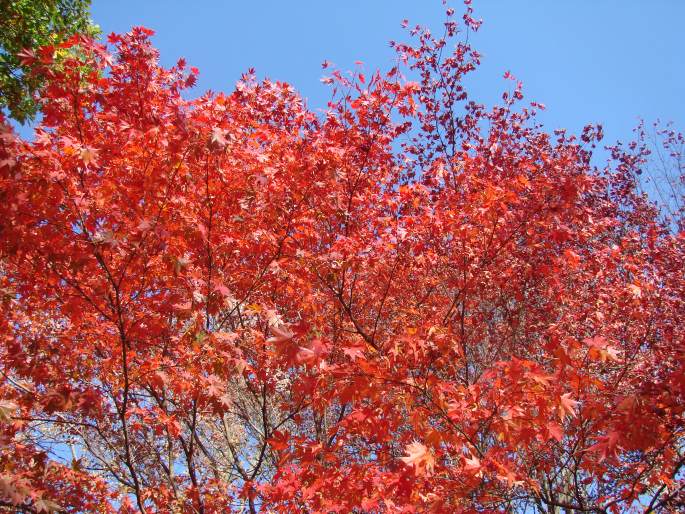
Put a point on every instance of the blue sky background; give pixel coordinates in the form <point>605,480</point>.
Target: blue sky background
<point>599,61</point>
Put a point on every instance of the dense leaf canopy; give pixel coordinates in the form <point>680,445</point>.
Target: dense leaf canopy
<point>409,303</point>
<point>25,27</point>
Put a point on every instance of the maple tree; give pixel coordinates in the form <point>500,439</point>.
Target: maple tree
<point>411,303</point>
<point>28,28</point>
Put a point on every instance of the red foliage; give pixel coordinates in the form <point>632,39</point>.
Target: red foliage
<point>410,304</point>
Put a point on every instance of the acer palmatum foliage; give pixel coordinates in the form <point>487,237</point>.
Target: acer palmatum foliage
<point>411,303</point>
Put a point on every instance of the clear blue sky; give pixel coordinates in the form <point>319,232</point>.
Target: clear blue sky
<point>603,61</point>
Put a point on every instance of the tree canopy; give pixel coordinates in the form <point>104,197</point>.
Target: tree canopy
<point>25,27</point>
<point>409,303</point>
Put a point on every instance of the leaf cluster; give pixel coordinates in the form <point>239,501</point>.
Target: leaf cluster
<point>30,25</point>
